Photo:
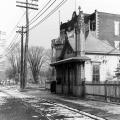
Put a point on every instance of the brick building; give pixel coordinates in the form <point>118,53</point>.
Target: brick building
<point>87,50</point>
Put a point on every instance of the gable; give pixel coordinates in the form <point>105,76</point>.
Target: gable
<point>94,45</point>
<point>67,51</point>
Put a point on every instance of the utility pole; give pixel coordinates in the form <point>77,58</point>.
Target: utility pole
<point>27,6</point>
<point>22,65</point>
<point>26,45</point>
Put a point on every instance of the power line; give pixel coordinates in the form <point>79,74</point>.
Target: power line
<point>40,11</point>
<point>12,47</point>
<point>35,17</point>
<point>56,8</point>
<point>50,15</point>
<point>22,58</point>
<point>12,44</point>
<point>16,27</point>
<point>28,6</point>
<point>15,45</point>
<point>47,16</point>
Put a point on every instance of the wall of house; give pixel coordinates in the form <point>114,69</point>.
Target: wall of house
<point>108,65</point>
<point>106,27</point>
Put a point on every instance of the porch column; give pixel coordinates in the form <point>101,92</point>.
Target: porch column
<point>80,77</point>
<point>80,72</point>
<point>58,79</point>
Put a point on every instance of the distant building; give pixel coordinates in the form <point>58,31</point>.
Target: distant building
<point>87,50</point>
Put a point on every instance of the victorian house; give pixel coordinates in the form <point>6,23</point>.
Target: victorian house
<point>87,50</point>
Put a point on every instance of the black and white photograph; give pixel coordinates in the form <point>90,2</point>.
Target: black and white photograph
<point>59,60</point>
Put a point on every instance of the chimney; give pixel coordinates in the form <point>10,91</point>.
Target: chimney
<point>80,34</point>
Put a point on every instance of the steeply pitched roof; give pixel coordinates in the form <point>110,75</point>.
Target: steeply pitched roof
<point>94,45</point>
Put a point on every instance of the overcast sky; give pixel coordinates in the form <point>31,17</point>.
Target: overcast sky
<point>49,29</point>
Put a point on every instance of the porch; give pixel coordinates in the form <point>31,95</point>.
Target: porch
<point>70,75</point>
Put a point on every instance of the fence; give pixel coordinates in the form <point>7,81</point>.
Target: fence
<point>108,90</point>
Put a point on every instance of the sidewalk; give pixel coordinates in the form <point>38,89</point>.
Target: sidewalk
<point>108,111</point>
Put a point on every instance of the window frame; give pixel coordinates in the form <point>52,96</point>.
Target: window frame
<point>116,28</point>
<point>117,44</point>
<point>96,73</point>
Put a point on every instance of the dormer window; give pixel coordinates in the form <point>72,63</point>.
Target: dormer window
<point>116,28</point>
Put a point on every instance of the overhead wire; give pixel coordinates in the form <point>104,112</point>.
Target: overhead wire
<point>56,8</point>
<point>48,15</point>
<point>14,38</point>
<point>30,21</point>
<point>12,47</point>
<point>40,11</point>
<point>36,18</point>
<point>11,51</point>
<point>16,25</point>
<point>12,42</point>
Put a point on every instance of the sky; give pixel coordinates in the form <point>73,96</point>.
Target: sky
<point>42,35</point>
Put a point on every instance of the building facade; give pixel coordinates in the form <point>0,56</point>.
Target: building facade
<point>85,51</point>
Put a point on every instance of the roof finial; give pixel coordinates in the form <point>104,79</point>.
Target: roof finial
<point>79,8</point>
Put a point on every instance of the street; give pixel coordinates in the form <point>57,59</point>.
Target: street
<point>13,109</point>
<point>59,60</point>
<point>15,106</point>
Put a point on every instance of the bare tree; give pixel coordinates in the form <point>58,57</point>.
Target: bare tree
<point>48,58</point>
<point>14,64</point>
<point>36,59</point>
<point>48,69</point>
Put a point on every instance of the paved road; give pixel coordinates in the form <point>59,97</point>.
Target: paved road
<point>16,106</point>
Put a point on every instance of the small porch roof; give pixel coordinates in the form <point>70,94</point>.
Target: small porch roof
<point>71,60</point>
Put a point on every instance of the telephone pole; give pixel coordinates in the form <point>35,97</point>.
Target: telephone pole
<point>27,6</point>
<point>22,64</point>
<point>26,45</point>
